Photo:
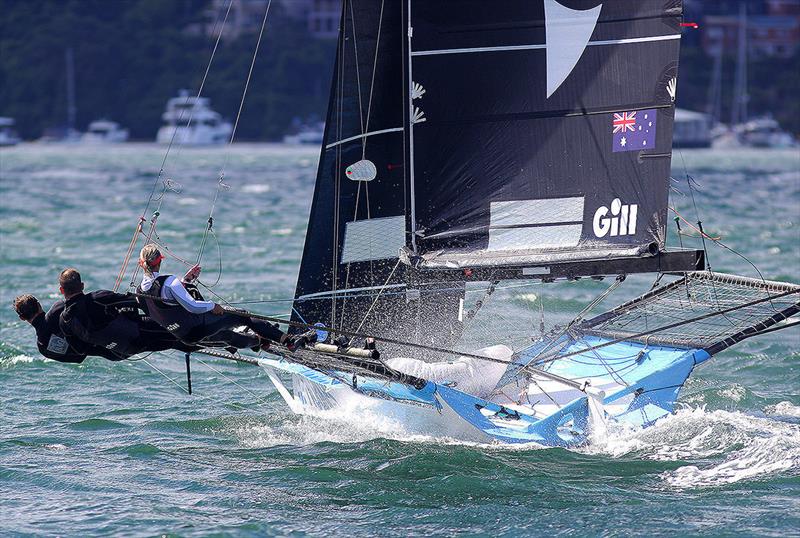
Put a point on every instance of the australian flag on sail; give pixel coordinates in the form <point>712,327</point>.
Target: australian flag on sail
<point>634,131</point>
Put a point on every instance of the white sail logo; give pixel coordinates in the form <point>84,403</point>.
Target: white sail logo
<point>567,33</point>
<point>622,220</point>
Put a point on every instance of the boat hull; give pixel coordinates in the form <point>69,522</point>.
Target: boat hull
<point>570,418</point>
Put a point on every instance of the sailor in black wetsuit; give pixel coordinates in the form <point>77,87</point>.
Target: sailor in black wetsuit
<point>49,339</point>
<point>110,320</point>
<point>200,322</point>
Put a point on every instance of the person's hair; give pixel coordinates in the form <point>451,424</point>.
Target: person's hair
<point>70,281</point>
<point>150,258</point>
<point>26,306</point>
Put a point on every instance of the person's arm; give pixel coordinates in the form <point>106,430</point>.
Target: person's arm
<point>117,300</point>
<point>75,334</point>
<point>177,293</point>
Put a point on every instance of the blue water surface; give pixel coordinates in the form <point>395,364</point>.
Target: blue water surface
<point>120,449</point>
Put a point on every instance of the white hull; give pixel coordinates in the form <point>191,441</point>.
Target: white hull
<point>342,403</point>
<point>196,135</point>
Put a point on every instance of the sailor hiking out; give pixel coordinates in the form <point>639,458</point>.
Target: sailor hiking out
<point>50,340</point>
<point>167,301</point>
<point>110,320</point>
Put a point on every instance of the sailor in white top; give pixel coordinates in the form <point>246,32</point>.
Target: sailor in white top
<point>193,320</point>
<point>174,290</point>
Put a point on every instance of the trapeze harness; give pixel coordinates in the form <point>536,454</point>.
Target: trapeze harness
<point>52,343</point>
<point>172,316</point>
<point>87,318</point>
<point>205,327</point>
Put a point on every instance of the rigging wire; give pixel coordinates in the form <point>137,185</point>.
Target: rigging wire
<point>543,359</point>
<point>375,301</point>
<point>142,217</point>
<point>556,339</point>
<point>338,163</point>
<point>221,181</point>
<point>252,393</point>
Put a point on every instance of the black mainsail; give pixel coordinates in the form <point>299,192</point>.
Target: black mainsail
<point>548,129</point>
<point>351,276</point>
<point>464,138</point>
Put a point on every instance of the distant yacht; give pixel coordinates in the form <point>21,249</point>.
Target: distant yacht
<point>764,132</point>
<point>104,132</point>
<point>691,129</point>
<point>8,136</point>
<point>207,127</point>
<point>743,130</point>
<point>306,133</point>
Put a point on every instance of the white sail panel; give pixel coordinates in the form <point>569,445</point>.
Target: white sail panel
<point>373,239</point>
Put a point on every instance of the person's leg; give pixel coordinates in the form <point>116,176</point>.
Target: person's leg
<point>219,330</point>
<point>153,337</point>
<point>228,337</point>
<point>266,330</point>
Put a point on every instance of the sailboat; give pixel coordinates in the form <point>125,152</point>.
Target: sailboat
<point>744,131</point>
<point>484,142</point>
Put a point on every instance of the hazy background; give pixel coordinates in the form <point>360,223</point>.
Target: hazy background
<point>132,55</point>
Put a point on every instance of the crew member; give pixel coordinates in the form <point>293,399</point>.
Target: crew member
<point>49,339</point>
<point>111,320</point>
<point>201,322</point>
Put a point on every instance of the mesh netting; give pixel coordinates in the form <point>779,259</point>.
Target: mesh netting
<point>702,310</point>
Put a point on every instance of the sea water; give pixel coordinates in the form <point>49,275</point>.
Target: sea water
<point>120,448</point>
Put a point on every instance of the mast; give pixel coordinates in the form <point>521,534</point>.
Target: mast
<point>740,97</point>
<point>714,106</point>
<point>71,108</point>
<point>351,276</point>
<point>410,127</point>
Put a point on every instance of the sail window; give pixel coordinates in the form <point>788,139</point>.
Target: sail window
<point>536,224</point>
<point>363,170</point>
<point>373,239</point>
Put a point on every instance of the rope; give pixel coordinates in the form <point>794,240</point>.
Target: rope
<point>220,183</point>
<point>372,86</point>
<point>132,246</point>
<point>255,395</point>
<point>168,378</point>
<point>356,334</point>
<point>375,301</point>
<point>358,76</point>
<point>555,339</point>
<point>128,254</point>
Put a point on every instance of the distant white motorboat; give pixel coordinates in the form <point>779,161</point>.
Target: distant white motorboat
<point>8,136</point>
<point>764,132</point>
<point>312,133</point>
<point>206,126</point>
<point>104,132</point>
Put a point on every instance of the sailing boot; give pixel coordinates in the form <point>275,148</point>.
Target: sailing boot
<point>300,341</point>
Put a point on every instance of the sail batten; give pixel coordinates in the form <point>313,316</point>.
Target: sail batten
<point>538,46</point>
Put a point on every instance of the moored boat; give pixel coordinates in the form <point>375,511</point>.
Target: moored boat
<point>191,121</point>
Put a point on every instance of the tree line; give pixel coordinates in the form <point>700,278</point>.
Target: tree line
<point>130,56</point>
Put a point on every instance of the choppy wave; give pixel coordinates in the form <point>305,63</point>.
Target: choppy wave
<point>256,188</point>
<point>736,446</point>
<point>783,409</point>
<point>750,447</point>
<point>16,359</point>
